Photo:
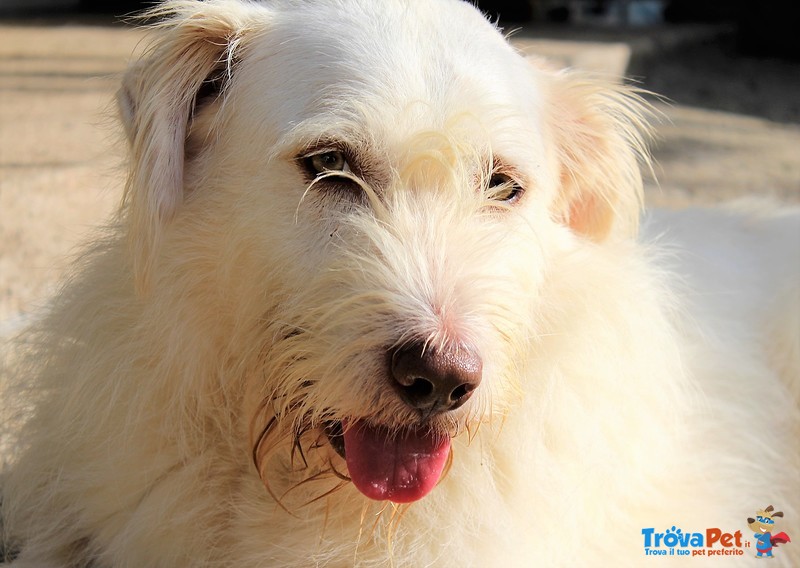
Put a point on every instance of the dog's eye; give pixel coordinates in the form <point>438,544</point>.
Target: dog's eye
<point>503,187</point>
<point>330,172</point>
<point>326,162</point>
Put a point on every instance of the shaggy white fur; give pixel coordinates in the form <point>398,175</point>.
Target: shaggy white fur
<point>313,187</point>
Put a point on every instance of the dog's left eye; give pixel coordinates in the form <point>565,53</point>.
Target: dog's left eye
<point>503,187</point>
<point>326,162</point>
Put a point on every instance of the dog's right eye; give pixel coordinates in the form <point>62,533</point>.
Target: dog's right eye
<point>330,172</point>
<point>326,163</point>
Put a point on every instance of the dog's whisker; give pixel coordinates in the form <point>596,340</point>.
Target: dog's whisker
<point>337,473</point>
<point>297,448</point>
<point>321,475</point>
<point>259,441</point>
<point>328,493</point>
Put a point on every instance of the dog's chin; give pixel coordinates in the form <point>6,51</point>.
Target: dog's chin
<point>401,465</point>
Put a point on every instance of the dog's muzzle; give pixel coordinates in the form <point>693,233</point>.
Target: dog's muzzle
<point>404,464</point>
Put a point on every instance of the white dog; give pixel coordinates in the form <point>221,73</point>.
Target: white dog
<point>374,297</point>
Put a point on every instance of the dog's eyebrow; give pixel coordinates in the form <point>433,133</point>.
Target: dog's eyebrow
<point>306,138</point>
<point>325,144</point>
<point>324,126</point>
<point>498,165</point>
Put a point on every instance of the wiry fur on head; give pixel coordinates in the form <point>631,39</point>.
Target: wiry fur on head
<point>242,306</point>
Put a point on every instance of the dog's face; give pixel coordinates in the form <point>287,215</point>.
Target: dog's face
<point>764,521</point>
<point>366,202</point>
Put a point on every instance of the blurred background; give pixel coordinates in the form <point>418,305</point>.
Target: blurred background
<point>730,69</point>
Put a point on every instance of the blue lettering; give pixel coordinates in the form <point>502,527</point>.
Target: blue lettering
<point>671,538</point>
<point>648,534</point>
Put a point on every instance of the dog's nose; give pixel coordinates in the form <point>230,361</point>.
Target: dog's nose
<point>435,380</point>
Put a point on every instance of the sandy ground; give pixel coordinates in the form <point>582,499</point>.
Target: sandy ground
<point>60,153</point>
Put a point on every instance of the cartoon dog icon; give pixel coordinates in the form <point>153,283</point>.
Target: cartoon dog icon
<point>762,527</point>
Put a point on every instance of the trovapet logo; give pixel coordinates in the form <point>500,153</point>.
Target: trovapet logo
<point>676,542</point>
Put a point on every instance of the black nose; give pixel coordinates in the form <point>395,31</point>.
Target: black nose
<point>435,380</point>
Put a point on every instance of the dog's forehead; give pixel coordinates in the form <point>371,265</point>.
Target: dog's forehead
<point>400,66</point>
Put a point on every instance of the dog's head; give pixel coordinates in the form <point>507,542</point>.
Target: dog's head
<point>764,521</point>
<point>364,198</point>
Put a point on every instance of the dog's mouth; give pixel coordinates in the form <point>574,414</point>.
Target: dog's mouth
<point>385,464</point>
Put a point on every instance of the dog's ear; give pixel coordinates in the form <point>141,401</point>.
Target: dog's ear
<point>191,58</point>
<point>599,129</point>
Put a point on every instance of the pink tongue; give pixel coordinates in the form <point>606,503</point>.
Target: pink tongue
<point>400,467</point>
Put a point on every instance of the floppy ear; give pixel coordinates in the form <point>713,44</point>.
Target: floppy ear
<point>195,46</point>
<point>599,129</point>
